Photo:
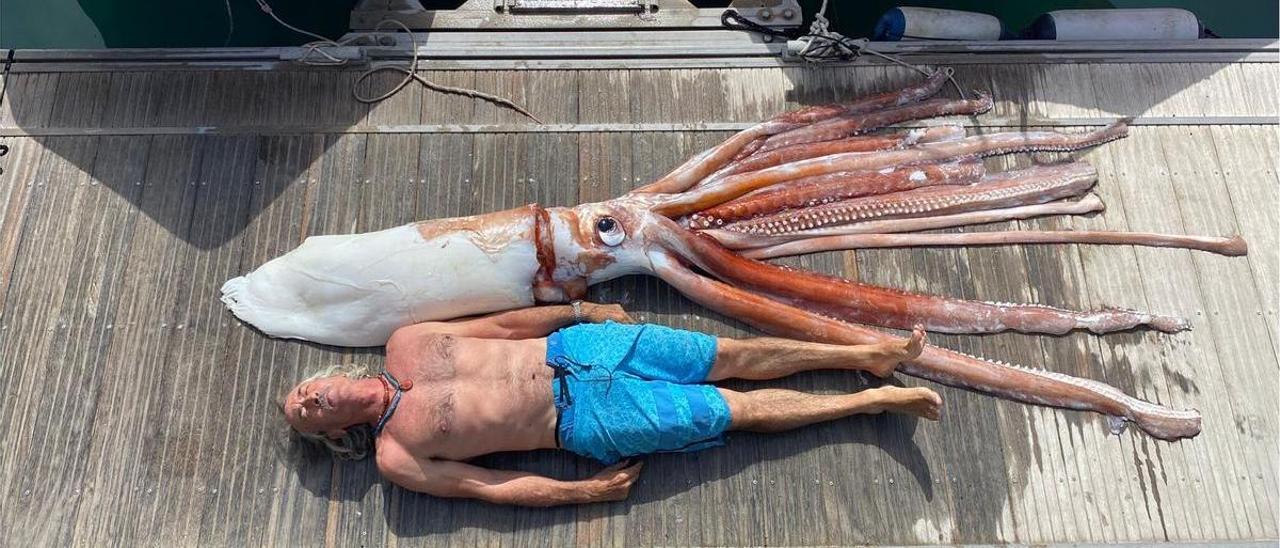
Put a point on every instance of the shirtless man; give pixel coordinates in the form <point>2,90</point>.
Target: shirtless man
<point>457,390</point>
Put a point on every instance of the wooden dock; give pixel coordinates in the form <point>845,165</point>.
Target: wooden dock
<point>136,411</point>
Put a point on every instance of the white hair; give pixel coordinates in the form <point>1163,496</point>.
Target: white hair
<point>357,442</point>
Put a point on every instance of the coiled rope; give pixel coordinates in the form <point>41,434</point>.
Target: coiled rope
<point>823,45</point>
<point>316,54</point>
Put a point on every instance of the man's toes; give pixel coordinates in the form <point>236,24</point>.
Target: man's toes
<point>935,405</point>
<point>915,345</point>
<point>933,397</point>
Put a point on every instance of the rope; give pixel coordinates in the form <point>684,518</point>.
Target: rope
<point>231,24</point>
<point>733,20</point>
<point>823,45</point>
<point>316,55</point>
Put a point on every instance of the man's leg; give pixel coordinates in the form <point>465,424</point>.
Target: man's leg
<point>770,358</point>
<point>776,410</point>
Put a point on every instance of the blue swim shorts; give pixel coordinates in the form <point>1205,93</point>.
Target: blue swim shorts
<point>623,390</point>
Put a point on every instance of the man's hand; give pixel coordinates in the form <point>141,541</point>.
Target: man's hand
<point>614,483</point>
<point>600,313</point>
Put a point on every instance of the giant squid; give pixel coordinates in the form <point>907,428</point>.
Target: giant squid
<point>820,178</point>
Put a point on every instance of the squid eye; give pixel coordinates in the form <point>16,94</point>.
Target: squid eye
<point>610,231</point>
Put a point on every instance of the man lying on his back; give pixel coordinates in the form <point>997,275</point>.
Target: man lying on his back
<point>532,379</point>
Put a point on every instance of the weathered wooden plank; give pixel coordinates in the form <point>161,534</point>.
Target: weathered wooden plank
<point>182,99</point>
<point>1063,90</point>
<point>48,465</point>
<point>1247,158</point>
<point>118,159</point>
<point>686,95</point>
<point>439,107</point>
<point>977,468</point>
<point>402,107</point>
<point>1062,441</point>
<point>334,206</point>
<point>552,96</point>
<point>1232,310</point>
<point>63,466</point>
<point>1256,86</point>
<point>331,93</point>
<point>16,183</point>
<point>192,439</point>
<point>1018,435</point>
<point>126,471</point>
<point>132,99</point>
<point>887,451</point>
<point>80,100</point>
<point>1234,88</point>
<point>604,96</point>
<point>335,202</point>
<point>18,333</point>
<point>905,497</point>
<point>752,95</point>
<point>278,99</point>
<point>1116,489</point>
<point>28,99</point>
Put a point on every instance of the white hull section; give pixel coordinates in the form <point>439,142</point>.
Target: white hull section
<point>355,290</point>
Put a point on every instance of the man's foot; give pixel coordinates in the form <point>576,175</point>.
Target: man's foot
<point>919,401</point>
<point>887,356</point>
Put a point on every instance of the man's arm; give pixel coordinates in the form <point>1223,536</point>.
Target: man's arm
<point>525,323</point>
<point>444,478</point>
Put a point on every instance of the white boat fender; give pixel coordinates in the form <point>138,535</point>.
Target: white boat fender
<point>1116,24</point>
<point>906,23</point>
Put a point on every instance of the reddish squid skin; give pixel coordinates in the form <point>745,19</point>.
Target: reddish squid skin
<point>887,307</point>
<point>824,189</point>
<point>981,146</point>
<point>804,151</point>
<point>947,367</point>
<point>1034,185</point>
<point>746,151</point>
<point>861,143</point>
<point>701,165</point>
<point>858,123</point>
<point>909,94</point>
<point>1233,246</point>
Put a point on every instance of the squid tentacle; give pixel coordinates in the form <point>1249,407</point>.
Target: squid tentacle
<point>968,148</point>
<point>936,364</point>
<point>833,187</point>
<point>886,307</point>
<point>1037,184</point>
<point>851,124</point>
<point>1233,246</point>
<point>747,150</point>
<point>860,143</point>
<point>1090,203</point>
<point>701,165</point>
<point>910,94</point>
